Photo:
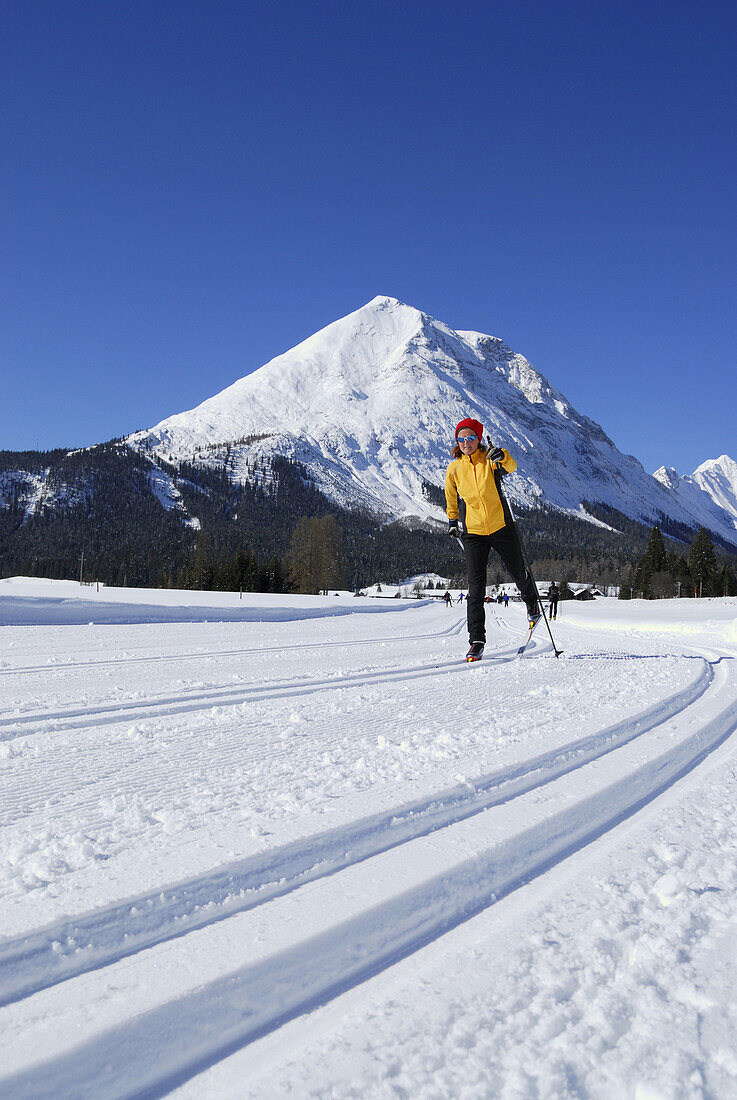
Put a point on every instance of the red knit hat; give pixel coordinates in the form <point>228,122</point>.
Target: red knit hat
<point>473,425</point>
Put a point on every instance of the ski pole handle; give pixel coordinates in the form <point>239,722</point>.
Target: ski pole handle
<point>496,454</point>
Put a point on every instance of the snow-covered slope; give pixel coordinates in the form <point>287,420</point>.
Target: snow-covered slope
<point>36,491</point>
<point>369,405</point>
<point>709,494</point>
<point>718,478</point>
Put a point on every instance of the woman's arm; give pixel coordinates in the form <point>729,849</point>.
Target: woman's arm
<point>451,495</point>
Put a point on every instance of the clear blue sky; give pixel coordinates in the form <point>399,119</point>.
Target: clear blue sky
<point>190,187</point>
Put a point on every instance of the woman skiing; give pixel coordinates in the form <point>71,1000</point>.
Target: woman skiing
<point>474,477</point>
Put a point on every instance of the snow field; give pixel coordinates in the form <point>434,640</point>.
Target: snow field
<point>235,765</point>
<point>245,846</point>
<point>616,981</point>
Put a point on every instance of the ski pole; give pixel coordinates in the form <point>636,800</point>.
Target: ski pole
<point>503,495</point>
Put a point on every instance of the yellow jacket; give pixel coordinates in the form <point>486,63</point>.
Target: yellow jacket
<point>473,478</point>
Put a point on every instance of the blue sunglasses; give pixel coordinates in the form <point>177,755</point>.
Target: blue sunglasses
<point>467,438</point>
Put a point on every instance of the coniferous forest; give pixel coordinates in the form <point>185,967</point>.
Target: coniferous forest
<point>98,518</point>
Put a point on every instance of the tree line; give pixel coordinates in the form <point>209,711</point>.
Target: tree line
<point>277,532</point>
<point>313,563</point>
<point>662,573</point>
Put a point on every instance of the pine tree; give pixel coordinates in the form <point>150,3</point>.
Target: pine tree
<point>702,564</point>
<point>202,570</point>
<point>655,553</point>
<point>652,579</point>
<point>728,583</point>
<point>641,579</point>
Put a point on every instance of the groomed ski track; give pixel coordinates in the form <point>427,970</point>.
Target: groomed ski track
<point>428,866</point>
<point>189,702</point>
<point>30,964</point>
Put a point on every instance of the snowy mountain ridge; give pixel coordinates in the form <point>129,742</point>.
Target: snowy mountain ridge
<point>718,478</point>
<point>369,405</point>
<point>709,493</point>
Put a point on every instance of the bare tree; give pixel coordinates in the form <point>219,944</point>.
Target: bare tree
<point>314,560</point>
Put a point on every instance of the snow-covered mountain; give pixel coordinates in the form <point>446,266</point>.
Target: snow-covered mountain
<point>709,493</point>
<point>369,405</point>
<point>718,478</point>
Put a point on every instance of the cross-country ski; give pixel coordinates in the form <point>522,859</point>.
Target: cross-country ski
<point>531,627</point>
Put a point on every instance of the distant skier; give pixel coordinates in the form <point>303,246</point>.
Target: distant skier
<point>448,599</point>
<point>475,476</point>
<point>553,596</point>
<point>505,597</point>
<point>461,597</point>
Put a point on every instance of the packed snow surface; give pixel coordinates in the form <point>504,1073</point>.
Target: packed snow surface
<point>297,847</point>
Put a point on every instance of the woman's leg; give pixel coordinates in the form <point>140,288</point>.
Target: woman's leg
<point>507,545</point>
<point>477,555</point>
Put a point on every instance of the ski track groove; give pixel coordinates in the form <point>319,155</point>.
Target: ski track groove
<point>201,1027</point>
<point>218,654</point>
<point>67,948</point>
<point>24,796</point>
<point>193,699</point>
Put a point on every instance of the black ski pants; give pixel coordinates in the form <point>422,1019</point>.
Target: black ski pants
<point>507,545</point>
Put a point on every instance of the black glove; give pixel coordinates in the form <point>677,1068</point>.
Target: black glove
<point>453,529</point>
<point>496,455</point>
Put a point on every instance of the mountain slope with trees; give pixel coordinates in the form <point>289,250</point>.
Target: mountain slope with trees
<point>211,533</point>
